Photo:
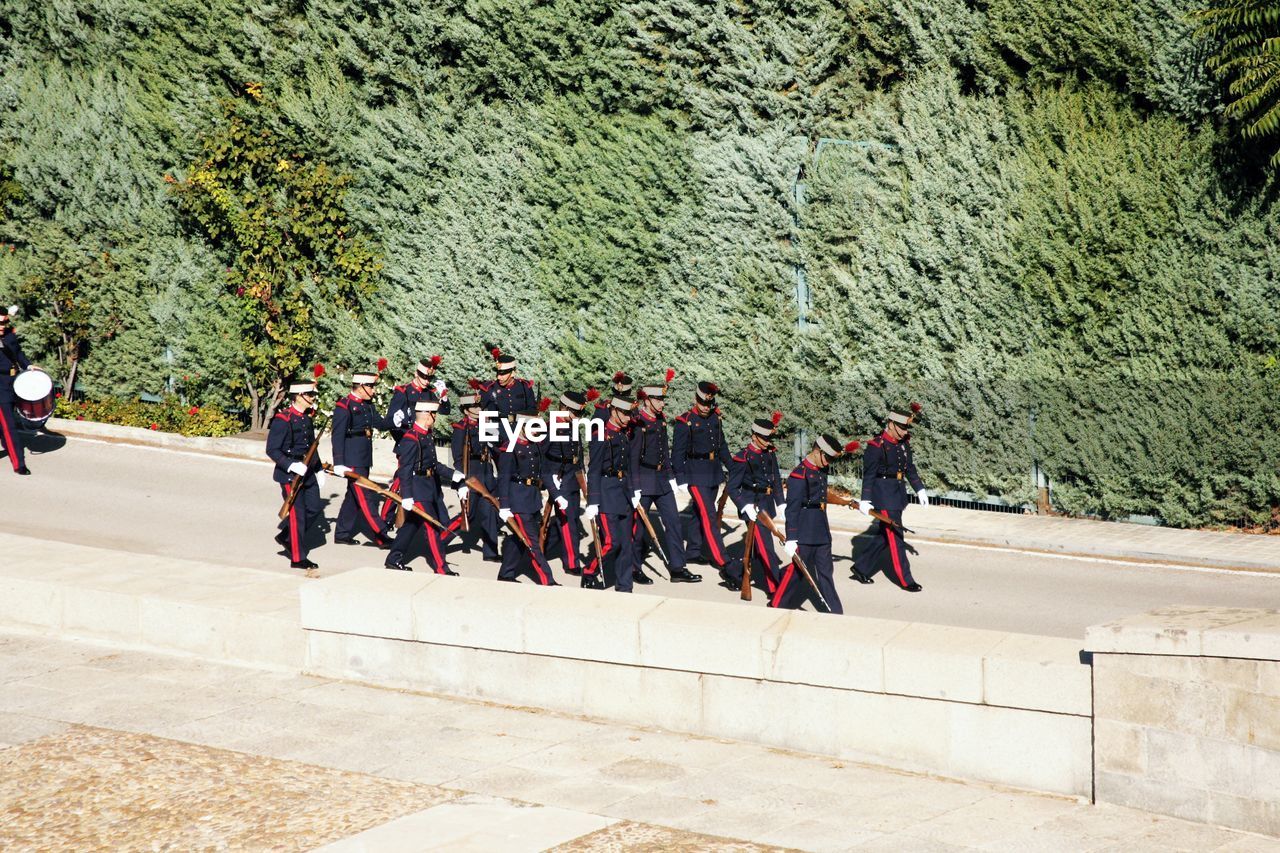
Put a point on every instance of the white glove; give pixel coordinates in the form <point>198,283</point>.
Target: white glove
<point>463,491</point>
<point>459,477</point>
<point>398,418</point>
<point>555,479</point>
<point>441,389</point>
<point>340,470</point>
<point>298,469</point>
<point>321,477</point>
<point>407,504</point>
<point>591,511</point>
<point>865,507</point>
<point>923,496</point>
<point>562,502</point>
<point>750,511</point>
<point>505,515</point>
<point>791,546</point>
<point>676,488</point>
<point>635,499</point>
<point>780,512</point>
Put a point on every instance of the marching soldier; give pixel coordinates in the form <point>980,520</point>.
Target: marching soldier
<point>622,384</point>
<point>808,533</point>
<point>699,453</point>
<point>12,362</point>
<point>611,498</point>
<point>755,485</point>
<point>400,411</point>
<point>507,394</point>
<point>562,465</point>
<point>289,439</point>
<point>654,483</point>
<point>475,459</point>
<point>520,484</point>
<point>886,464</point>
<point>422,476</point>
<point>354,421</point>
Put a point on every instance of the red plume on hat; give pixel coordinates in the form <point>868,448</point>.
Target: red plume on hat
<point>382,364</point>
<point>713,388</point>
<point>671,374</point>
<point>852,446</point>
<point>435,360</point>
<point>640,395</point>
<point>474,383</point>
<point>916,408</point>
<point>317,370</point>
<point>777,419</point>
<point>619,376</point>
<point>544,404</point>
<point>592,394</point>
<point>494,351</point>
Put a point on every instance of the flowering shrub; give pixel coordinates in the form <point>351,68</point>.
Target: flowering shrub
<point>169,415</point>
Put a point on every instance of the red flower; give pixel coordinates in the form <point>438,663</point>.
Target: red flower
<point>239,291</point>
<point>154,426</point>
<point>194,410</point>
<point>79,417</point>
<point>57,396</point>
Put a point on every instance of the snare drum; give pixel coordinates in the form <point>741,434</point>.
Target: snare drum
<point>33,390</point>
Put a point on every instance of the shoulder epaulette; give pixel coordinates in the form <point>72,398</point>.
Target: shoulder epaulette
<point>683,419</point>
<point>459,425</point>
<point>875,442</point>
<point>284,416</point>
<point>740,458</point>
<point>341,404</point>
<point>798,474</point>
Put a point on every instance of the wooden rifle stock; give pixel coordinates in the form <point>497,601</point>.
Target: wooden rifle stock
<point>595,529</point>
<point>747,550</point>
<point>841,498</point>
<point>763,518</point>
<point>366,483</point>
<point>653,535</point>
<point>545,523</point>
<point>296,486</point>
<point>724,496</point>
<point>466,475</point>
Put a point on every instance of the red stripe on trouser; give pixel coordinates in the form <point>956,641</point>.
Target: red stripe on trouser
<point>893,552</point>
<point>533,560</point>
<point>769,582</point>
<point>708,535</point>
<point>434,542</point>
<point>9,444</point>
<point>570,552</point>
<point>388,505</point>
<point>453,525</point>
<point>368,516</point>
<point>776,601</point>
<point>295,552</point>
<point>605,548</point>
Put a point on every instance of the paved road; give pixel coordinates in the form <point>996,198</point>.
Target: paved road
<point>164,502</point>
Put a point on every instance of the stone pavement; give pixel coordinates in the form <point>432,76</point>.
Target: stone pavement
<point>129,750</point>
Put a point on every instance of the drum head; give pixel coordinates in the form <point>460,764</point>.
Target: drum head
<point>32,385</point>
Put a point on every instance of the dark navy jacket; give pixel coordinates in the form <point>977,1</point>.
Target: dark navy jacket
<point>506,401</point>
<point>520,477</point>
<point>807,505</point>
<point>422,476</point>
<point>289,437</point>
<point>754,479</point>
<point>651,468</point>
<point>887,466</point>
<point>562,460</point>
<point>481,464</point>
<point>699,451</point>
<point>12,362</point>
<point>354,422</point>
<point>403,399</point>
<point>609,472</point>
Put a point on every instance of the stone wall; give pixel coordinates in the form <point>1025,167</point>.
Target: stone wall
<point>987,705</point>
<point>1187,715</point>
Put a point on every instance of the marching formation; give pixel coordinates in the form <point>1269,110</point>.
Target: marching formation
<point>528,497</point>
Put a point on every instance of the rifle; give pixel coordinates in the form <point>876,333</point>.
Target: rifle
<point>653,536</point>
<point>842,498</point>
<point>595,531</point>
<point>546,522</point>
<point>764,519</point>
<point>296,486</point>
<point>724,496</point>
<point>745,592</point>
<point>466,474</point>
<point>366,483</point>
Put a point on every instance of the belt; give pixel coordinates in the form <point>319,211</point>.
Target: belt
<point>562,459</point>
<point>657,467</point>
<point>710,455</point>
<point>353,433</point>
<point>897,476</point>
<point>814,505</point>
<point>481,458</point>
<point>761,490</point>
<point>429,472</point>
<point>536,482</point>
<point>618,474</point>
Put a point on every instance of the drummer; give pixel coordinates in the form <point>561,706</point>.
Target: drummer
<point>12,362</point>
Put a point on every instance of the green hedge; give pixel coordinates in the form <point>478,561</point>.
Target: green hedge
<point>169,415</point>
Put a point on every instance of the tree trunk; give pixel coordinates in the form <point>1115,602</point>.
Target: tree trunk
<point>68,387</point>
<point>255,412</point>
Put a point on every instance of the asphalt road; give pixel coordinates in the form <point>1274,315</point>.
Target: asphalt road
<point>217,510</point>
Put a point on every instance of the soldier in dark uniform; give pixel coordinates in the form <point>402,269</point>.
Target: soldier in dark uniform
<point>654,483</point>
<point>622,384</point>
<point>354,422</point>
<point>886,464</point>
<point>507,394</point>
<point>562,462</point>
<point>423,477</point>
<point>482,517</point>
<point>12,362</point>
<point>754,486</point>
<point>808,533</point>
<point>289,437</point>
<point>520,484</point>
<point>699,453</point>
<point>400,412</point>
<point>611,498</point>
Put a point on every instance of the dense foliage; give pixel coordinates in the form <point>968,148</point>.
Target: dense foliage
<point>1032,217</point>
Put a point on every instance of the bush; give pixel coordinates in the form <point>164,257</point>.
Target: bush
<point>169,415</point>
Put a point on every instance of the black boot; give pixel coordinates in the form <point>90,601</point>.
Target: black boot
<point>860,577</point>
<point>684,576</point>
<point>592,582</point>
<point>638,576</point>
<point>399,567</point>
<point>915,587</point>
<point>24,471</point>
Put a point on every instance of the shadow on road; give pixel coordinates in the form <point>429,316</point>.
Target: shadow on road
<point>42,441</point>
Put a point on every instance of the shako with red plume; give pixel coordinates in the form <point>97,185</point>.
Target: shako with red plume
<point>852,446</point>
<point>382,364</point>
<point>544,404</point>
<point>592,394</point>
<point>317,370</point>
<point>776,418</point>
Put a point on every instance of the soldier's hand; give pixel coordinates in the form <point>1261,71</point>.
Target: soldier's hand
<point>407,503</point>
<point>321,477</point>
<point>750,511</point>
<point>635,499</point>
<point>791,546</point>
<point>505,515</point>
<point>562,502</point>
<point>865,507</point>
<point>591,512</point>
<point>459,477</point>
<point>462,491</point>
<point>398,418</point>
<point>923,496</point>
<point>676,488</point>
<point>298,469</point>
<point>340,470</point>
<point>441,389</point>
